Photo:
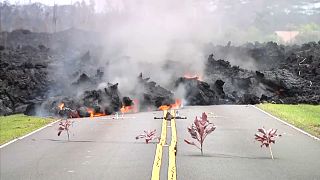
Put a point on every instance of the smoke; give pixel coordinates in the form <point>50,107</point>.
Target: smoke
<point>143,36</point>
<point>163,39</point>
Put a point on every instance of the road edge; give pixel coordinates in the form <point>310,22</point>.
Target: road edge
<point>22,137</point>
<point>288,124</point>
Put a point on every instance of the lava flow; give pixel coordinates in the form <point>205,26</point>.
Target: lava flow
<point>130,109</point>
<point>176,105</point>
<point>192,76</point>
<point>94,114</point>
<point>61,106</point>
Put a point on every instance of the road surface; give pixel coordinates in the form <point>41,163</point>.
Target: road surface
<point>104,148</point>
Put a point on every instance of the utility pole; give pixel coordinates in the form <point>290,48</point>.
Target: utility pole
<point>0,19</point>
<point>4,35</point>
<point>54,19</point>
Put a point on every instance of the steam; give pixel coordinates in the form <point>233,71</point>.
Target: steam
<point>163,39</point>
<point>142,36</point>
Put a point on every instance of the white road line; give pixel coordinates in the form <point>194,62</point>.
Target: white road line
<point>19,138</point>
<point>292,126</point>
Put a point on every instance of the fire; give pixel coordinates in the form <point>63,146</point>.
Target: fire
<point>123,109</point>
<point>130,109</point>
<point>176,105</point>
<point>61,105</point>
<point>98,114</point>
<point>164,107</point>
<point>126,109</point>
<point>90,111</point>
<point>94,114</point>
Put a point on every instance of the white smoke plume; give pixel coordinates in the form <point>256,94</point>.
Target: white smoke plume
<point>141,36</point>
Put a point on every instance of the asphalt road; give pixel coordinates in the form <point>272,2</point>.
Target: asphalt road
<point>104,148</point>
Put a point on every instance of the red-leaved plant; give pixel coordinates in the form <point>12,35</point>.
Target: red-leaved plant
<point>266,137</point>
<point>148,135</point>
<point>64,126</point>
<point>199,130</point>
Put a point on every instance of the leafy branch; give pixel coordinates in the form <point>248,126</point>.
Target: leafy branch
<point>266,137</point>
<point>148,135</point>
<point>199,130</point>
<point>64,126</point>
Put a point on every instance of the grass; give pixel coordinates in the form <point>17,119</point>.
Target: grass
<point>303,116</point>
<point>15,126</point>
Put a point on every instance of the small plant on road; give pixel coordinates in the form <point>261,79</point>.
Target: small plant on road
<point>64,126</point>
<point>148,135</point>
<point>266,137</point>
<point>199,130</point>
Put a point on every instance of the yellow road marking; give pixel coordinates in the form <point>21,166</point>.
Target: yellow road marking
<point>158,155</point>
<point>172,170</point>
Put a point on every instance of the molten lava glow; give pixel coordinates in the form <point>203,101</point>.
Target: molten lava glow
<point>176,105</point>
<point>193,76</point>
<point>164,107</point>
<point>130,109</point>
<point>135,105</point>
<point>94,114</point>
<point>126,109</point>
<point>90,111</point>
<point>61,105</point>
<point>98,114</point>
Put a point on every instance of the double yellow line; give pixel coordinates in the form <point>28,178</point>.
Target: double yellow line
<point>172,170</point>
<point>158,155</point>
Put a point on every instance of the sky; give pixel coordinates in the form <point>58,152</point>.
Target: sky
<point>99,3</point>
<point>47,2</point>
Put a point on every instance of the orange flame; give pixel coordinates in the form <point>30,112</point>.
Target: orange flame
<point>99,114</point>
<point>94,114</point>
<point>164,107</point>
<point>176,105</point>
<point>61,105</point>
<point>126,109</point>
<point>123,109</point>
<point>130,109</point>
<point>91,112</point>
